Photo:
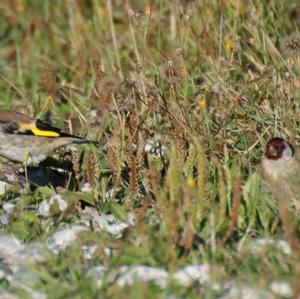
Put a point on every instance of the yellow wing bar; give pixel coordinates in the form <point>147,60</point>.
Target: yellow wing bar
<point>36,131</point>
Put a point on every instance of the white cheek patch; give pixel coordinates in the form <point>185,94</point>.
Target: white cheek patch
<point>288,151</point>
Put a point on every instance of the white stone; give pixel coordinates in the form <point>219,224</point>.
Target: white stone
<point>32,252</point>
<point>130,275</point>
<point>247,292</point>
<point>45,206</point>
<point>8,207</point>
<point>9,247</point>
<point>4,219</point>
<point>3,187</point>
<point>63,238</point>
<point>281,288</point>
<point>111,224</point>
<point>261,243</point>
<point>192,273</point>
<point>88,251</point>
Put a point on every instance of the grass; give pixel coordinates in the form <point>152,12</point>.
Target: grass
<point>205,80</point>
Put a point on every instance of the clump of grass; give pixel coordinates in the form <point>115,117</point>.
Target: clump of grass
<point>129,76</point>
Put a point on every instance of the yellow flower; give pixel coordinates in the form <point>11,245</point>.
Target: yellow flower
<point>228,46</point>
<point>228,2</point>
<point>20,8</point>
<point>202,102</point>
<point>148,10</point>
<point>190,182</point>
<point>208,11</point>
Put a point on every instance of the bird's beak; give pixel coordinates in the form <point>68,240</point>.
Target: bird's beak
<point>272,151</point>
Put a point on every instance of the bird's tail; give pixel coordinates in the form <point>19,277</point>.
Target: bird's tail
<point>79,140</point>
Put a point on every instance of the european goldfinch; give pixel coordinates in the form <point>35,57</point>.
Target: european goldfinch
<point>25,140</point>
<point>280,167</point>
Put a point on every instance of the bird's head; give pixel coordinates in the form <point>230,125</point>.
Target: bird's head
<point>278,148</point>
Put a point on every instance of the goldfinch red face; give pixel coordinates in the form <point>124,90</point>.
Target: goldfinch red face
<point>278,148</point>
<point>279,165</point>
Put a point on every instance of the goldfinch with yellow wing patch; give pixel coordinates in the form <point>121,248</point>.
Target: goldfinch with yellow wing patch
<point>26,140</point>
